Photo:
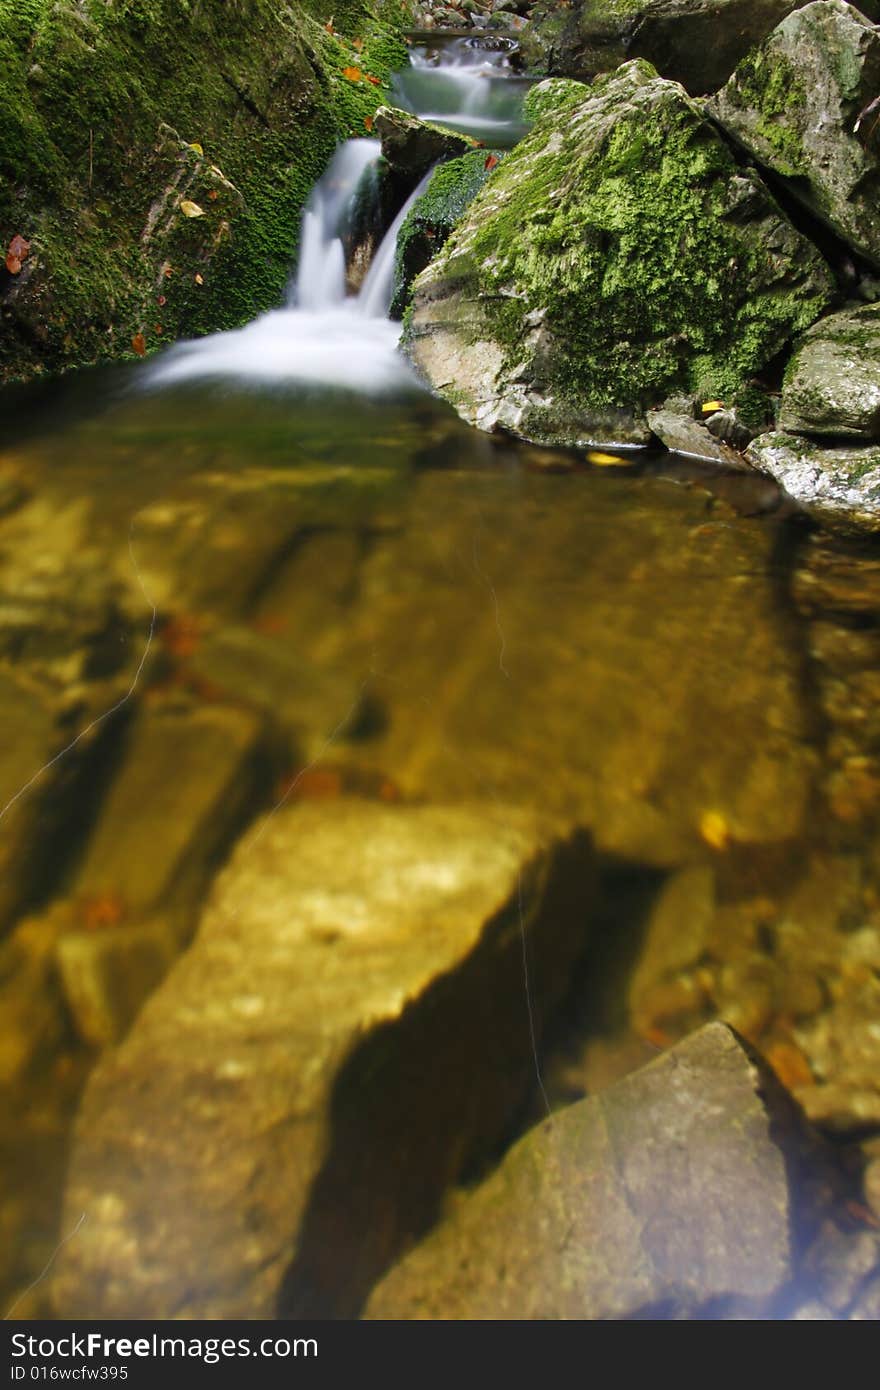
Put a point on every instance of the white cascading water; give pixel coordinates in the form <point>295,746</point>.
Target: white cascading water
<point>322,336</point>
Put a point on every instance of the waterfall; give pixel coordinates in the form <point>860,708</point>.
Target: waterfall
<point>322,336</point>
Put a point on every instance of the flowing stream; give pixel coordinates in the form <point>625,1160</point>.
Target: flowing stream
<point>267,570</point>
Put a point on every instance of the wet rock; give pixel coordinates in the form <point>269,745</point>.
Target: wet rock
<point>840,486</point>
<point>433,217</point>
<point>614,258</point>
<point>411,145</point>
<point>348,1030</point>
<point>728,426</point>
<point>832,384</point>
<point>838,1264</point>
<point>684,435</point>
<point>695,42</point>
<point>843,1048</point>
<point>675,938</point>
<point>188,781</point>
<point>678,1191</point>
<point>793,103</point>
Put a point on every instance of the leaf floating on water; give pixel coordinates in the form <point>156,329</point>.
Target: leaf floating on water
<point>368,122</point>
<point>352,74</point>
<point>603,460</point>
<point>17,251</point>
<point>491,161</point>
<point>190,209</point>
<point>194,145</point>
<point>139,345</point>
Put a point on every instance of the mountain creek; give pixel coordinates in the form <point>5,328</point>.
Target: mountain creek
<point>422,793</point>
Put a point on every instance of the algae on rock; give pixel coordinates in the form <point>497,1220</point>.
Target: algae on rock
<point>607,264</point>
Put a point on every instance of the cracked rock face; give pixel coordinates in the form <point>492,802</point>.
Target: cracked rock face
<point>348,1030</point>
<point>677,1191</point>
<point>840,485</point>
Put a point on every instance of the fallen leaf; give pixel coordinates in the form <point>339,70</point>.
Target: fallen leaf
<point>709,407</point>
<point>714,829</point>
<point>358,44</point>
<point>139,345</point>
<point>197,147</point>
<point>376,81</point>
<point>212,194</point>
<point>329,26</point>
<point>167,270</point>
<point>157,329</point>
<point>352,74</point>
<point>190,209</point>
<point>198,279</point>
<point>368,122</point>
<point>16,252</point>
<point>161,301</point>
<point>491,161</point>
<point>603,460</point>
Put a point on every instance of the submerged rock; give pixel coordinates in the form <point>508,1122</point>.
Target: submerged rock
<point>695,42</point>
<point>608,263</point>
<point>832,384</point>
<point>794,102</point>
<point>348,1031</point>
<point>841,486</point>
<point>679,1192</point>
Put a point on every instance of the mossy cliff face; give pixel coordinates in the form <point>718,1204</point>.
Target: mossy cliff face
<point>115,112</point>
<point>611,259</point>
<point>793,103</point>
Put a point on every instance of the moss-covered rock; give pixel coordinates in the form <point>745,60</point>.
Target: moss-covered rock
<point>115,115</point>
<point>794,104</point>
<point>410,146</point>
<point>607,263</point>
<point>696,42</point>
<point>432,217</point>
<point>832,385</point>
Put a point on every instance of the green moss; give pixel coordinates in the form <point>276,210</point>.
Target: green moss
<point>767,83</point>
<point>638,251</point>
<point>88,177</point>
<point>432,218</point>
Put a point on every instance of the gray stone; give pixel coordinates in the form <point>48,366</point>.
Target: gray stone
<point>671,1193</point>
<point>695,42</point>
<point>793,103</point>
<point>347,1032</point>
<point>832,384</point>
<point>729,427</point>
<point>599,270</point>
<point>684,435</point>
<point>411,145</point>
<point>841,486</point>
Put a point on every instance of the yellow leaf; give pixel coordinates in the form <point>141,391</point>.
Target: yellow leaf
<point>197,147</point>
<point>714,829</point>
<point>191,209</point>
<point>709,407</point>
<point>601,460</point>
<point>198,279</point>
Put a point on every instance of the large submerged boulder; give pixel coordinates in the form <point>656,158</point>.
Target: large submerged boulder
<point>688,1189</point>
<point>349,1030</point>
<point>614,257</point>
<point>795,102</point>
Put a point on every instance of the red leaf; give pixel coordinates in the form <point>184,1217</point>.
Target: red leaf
<point>368,122</point>
<point>16,252</point>
<point>139,345</point>
<point>13,265</point>
<point>491,161</point>
<point>376,81</point>
<point>162,301</point>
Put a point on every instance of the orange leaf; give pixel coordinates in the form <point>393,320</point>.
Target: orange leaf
<point>16,252</point>
<point>329,26</point>
<point>139,345</point>
<point>157,328</point>
<point>491,161</point>
<point>376,81</point>
<point>212,194</point>
<point>368,122</point>
<point>353,74</point>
